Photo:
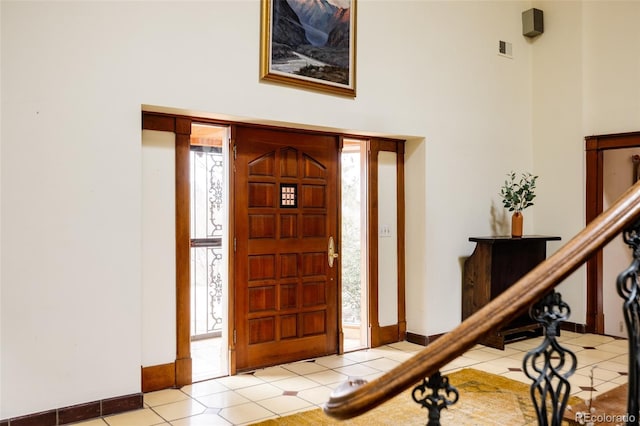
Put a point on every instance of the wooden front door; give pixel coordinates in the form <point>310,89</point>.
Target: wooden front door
<point>285,213</point>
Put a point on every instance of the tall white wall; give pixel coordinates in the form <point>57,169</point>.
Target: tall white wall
<point>586,81</point>
<point>74,77</point>
<point>158,248</point>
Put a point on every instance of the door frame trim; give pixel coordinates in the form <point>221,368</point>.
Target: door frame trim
<point>180,124</point>
<point>392,333</point>
<point>594,187</point>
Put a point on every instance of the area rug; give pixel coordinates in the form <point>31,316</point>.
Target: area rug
<point>485,399</point>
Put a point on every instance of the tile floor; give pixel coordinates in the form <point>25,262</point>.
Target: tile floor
<point>285,389</point>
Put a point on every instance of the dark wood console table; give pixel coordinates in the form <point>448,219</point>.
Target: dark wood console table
<point>495,264</point>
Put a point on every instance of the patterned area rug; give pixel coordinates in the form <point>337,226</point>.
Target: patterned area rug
<point>485,399</point>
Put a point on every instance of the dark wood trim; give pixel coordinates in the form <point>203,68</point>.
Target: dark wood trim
<point>594,188</point>
<point>183,254</point>
<point>159,122</point>
<point>381,335</point>
<point>158,377</point>
<point>231,269</point>
<point>402,311</point>
<point>594,205</point>
<point>418,339</point>
<point>121,404</point>
<point>388,334</point>
<point>574,327</point>
<point>421,339</point>
<point>340,330</point>
<point>79,412</point>
<point>613,141</point>
<point>45,418</point>
<point>372,208</point>
<point>181,125</point>
<point>165,118</point>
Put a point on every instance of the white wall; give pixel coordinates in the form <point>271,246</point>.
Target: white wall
<point>74,77</point>
<point>158,248</point>
<point>558,138</point>
<point>586,81</point>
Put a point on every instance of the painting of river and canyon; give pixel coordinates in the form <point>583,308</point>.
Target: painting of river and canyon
<point>309,44</point>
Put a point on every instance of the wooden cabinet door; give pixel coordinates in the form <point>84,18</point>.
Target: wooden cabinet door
<point>285,213</point>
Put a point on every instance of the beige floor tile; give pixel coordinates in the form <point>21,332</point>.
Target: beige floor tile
<point>273,374</point>
<point>458,363</point>
<point>508,363</point>
<point>327,377</point>
<point>382,364</point>
<point>164,397</point>
<point>590,340</point>
<point>317,396</point>
<point>500,352</point>
<point>180,409</point>
<point>407,346</point>
<point>357,370</point>
<point>573,348</point>
<point>621,359</point>
<point>360,356</point>
<point>590,356</point>
<point>599,373</point>
<point>334,361</point>
<point>304,367</point>
<point>295,384</point>
<point>399,356</point>
<point>620,380</point>
<point>606,386</point>
<point>240,381</point>
<point>482,355</point>
<point>94,422</point>
<point>204,388</point>
<point>369,377</point>
<point>525,345</point>
<point>583,381</point>
<point>567,335</point>
<point>517,375</point>
<point>144,417</point>
<point>223,399</point>
<point>614,366</point>
<point>256,393</point>
<point>285,404</point>
<point>206,419</point>
<point>617,346</point>
<point>245,413</point>
<point>494,368</point>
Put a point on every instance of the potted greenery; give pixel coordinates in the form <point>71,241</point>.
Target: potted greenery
<point>517,195</point>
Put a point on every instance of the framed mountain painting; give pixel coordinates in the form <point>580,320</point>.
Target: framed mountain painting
<point>309,44</point>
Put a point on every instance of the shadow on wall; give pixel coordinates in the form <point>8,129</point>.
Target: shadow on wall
<point>500,221</point>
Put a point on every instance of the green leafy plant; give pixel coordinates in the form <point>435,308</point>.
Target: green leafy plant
<point>517,195</point>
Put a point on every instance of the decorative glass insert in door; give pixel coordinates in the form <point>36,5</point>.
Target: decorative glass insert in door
<point>207,233</point>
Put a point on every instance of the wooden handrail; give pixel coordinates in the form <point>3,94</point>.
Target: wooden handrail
<point>355,397</point>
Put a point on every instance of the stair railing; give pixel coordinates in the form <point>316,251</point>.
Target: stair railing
<point>356,397</point>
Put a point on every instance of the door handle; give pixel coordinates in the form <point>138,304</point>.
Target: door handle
<point>331,252</point>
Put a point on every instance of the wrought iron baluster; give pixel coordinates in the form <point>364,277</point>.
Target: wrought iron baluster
<point>428,395</point>
<point>629,289</point>
<point>550,364</point>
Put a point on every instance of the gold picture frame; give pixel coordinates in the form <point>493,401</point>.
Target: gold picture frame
<point>307,50</point>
